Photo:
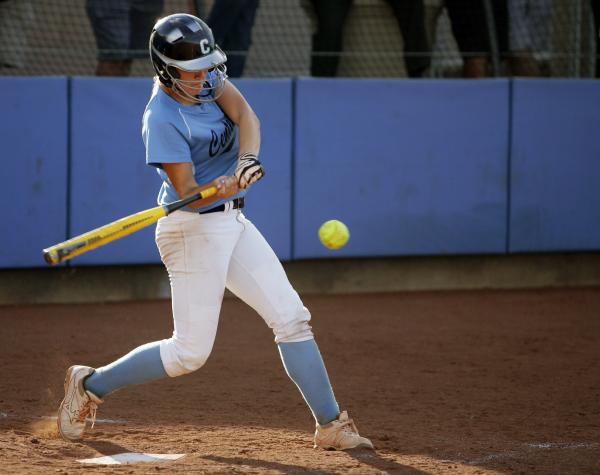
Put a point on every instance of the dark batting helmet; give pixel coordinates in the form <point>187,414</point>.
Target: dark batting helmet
<point>183,41</point>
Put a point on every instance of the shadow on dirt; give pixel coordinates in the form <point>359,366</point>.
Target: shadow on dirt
<point>104,447</point>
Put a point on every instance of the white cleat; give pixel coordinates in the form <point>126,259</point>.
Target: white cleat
<point>340,434</point>
<point>77,405</point>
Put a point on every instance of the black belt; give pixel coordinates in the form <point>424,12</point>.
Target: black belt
<point>237,203</point>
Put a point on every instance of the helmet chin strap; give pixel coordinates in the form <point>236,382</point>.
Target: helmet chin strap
<point>186,96</point>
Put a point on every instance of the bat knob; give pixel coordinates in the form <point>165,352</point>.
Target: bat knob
<point>51,257</point>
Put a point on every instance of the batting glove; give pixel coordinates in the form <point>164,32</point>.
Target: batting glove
<point>249,170</point>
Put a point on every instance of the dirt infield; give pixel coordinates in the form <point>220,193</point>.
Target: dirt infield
<point>442,382</point>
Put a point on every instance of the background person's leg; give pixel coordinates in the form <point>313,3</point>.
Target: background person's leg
<point>596,10</point>
<point>469,28</point>
<point>142,18</point>
<point>231,23</point>
<point>328,39</point>
<point>410,15</point>
<point>110,22</point>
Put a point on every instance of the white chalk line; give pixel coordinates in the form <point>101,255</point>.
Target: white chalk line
<point>4,415</point>
<point>534,445</point>
<point>98,421</point>
<point>573,445</point>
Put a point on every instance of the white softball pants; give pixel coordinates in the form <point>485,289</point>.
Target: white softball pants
<point>203,254</point>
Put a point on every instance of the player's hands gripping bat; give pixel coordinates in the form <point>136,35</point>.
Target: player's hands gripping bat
<point>249,170</point>
<point>117,229</point>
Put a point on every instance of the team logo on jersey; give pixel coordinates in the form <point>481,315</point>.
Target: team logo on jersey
<point>221,142</point>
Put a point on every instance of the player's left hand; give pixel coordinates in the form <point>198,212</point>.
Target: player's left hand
<point>226,186</point>
<point>249,170</point>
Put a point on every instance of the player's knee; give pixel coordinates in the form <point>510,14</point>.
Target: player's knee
<point>181,357</point>
<point>295,330</point>
<point>193,361</point>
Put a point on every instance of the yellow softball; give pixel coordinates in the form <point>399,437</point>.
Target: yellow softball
<point>334,234</point>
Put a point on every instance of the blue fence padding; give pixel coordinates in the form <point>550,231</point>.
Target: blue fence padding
<point>109,175</point>
<point>34,168</point>
<point>555,166</point>
<point>268,203</point>
<point>412,167</point>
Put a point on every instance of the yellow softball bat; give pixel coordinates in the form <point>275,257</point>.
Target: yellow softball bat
<point>116,230</point>
<point>334,234</point>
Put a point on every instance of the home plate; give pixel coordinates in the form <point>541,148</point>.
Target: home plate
<point>131,457</point>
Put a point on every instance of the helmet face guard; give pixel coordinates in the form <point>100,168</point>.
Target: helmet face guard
<point>184,42</point>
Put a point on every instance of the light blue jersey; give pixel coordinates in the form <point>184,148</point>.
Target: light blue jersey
<point>199,134</point>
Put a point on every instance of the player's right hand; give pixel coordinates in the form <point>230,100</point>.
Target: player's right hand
<point>226,186</point>
<point>249,170</point>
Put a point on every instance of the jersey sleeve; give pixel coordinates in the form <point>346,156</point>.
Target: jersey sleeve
<point>164,143</point>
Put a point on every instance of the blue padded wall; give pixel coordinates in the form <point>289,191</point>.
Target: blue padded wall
<point>34,155</point>
<point>268,203</point>
<point>555,166</point>
<point>109,175</point>
<point>412,167</point>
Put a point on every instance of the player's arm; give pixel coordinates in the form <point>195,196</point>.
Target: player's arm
<point>233,103</point>
<point>181,176</point>
<point>239,111</point>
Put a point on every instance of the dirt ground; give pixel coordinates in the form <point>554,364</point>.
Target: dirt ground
<point>442,382</point>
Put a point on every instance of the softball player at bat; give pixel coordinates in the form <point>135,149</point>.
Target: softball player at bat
<point>199,131</point>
